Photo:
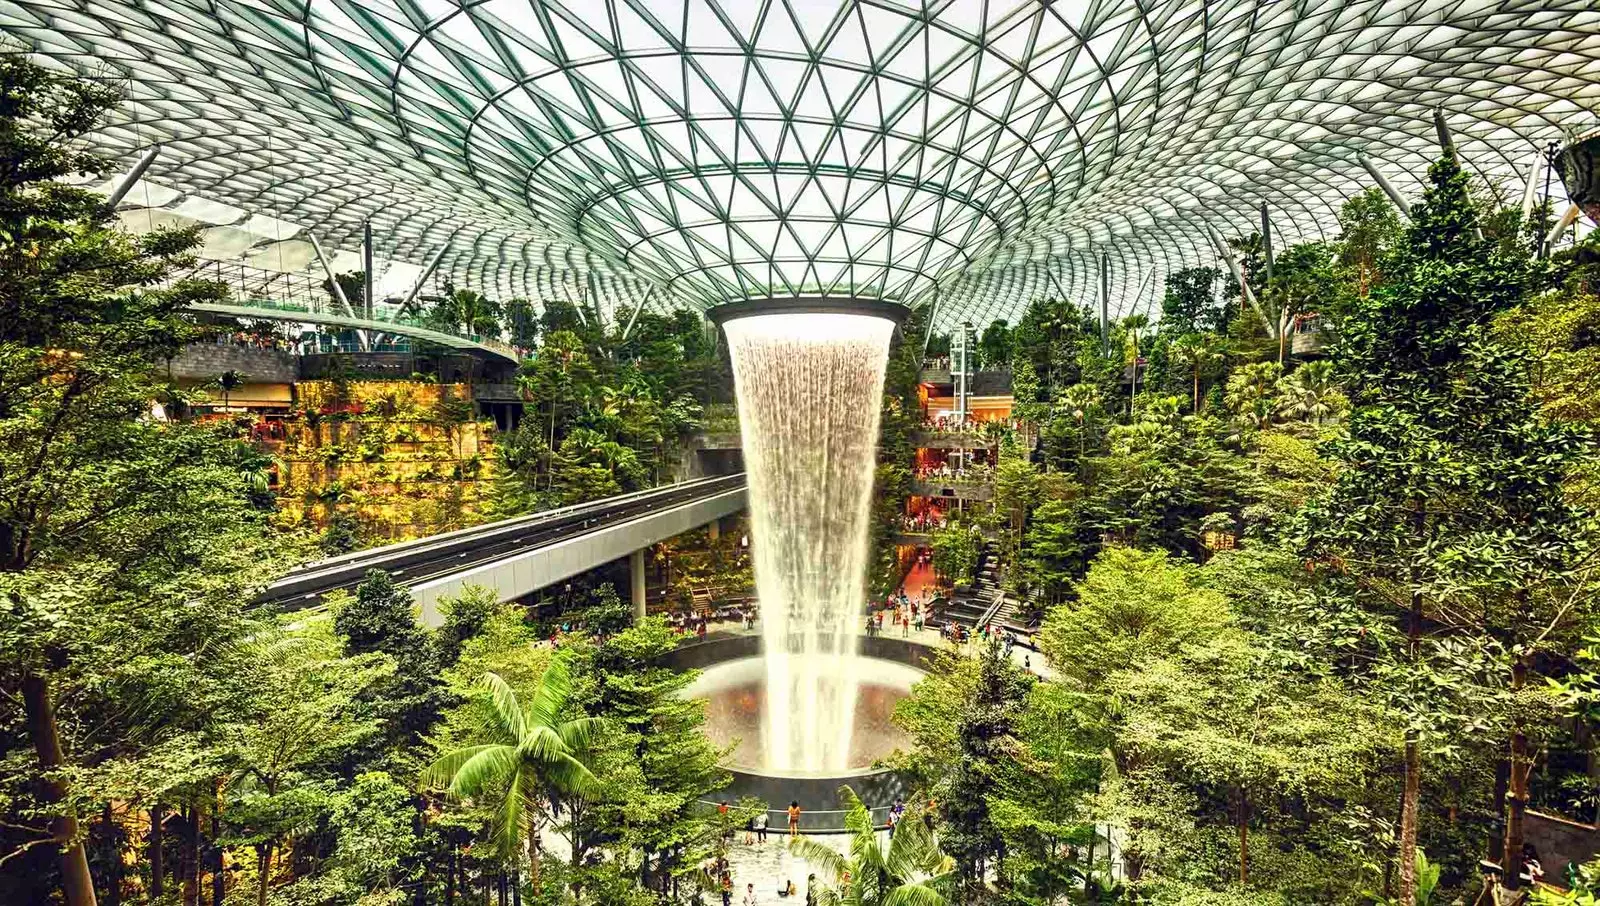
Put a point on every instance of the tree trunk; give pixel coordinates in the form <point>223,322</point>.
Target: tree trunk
<point>219,876</point>
<point>189,860</point>
<point>1408,823</point>
<point>264,872</point>
<point>1502,778</point>
<point>1243,817</point>
<point>1517,795</point>
<point>450,876</point>
<point>76,882</point>
<point>1197,390</point>
<point>1412,790</point>
<point>533,857</point>
<point>113,857</point>
<point>158,869</point>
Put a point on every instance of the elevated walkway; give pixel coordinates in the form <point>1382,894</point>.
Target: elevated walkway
<point>520,556</point>
<point>310,314</point>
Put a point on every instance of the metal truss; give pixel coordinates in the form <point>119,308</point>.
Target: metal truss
<point>967,154</point>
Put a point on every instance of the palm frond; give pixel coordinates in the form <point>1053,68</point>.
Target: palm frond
<point>443,770</point>
<point>858,821</point>
<point>506,707</point>
<point>576,734</point>
<point>919,894</point>
<point>485,772</point>
<point>912,850</point>
<point>829,863</point>
<point>569,775</point>
<point>507,832</point>
<point>555,687</point>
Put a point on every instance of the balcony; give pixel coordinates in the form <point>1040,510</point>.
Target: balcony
<point>971,486</point>
<point>949,439</point>
<point>1307,337</point>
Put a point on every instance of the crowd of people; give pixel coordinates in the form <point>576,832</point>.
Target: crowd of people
<point>976,472</point>
<point>898,610</point>
<point>698,623</point>
<point>246,339</point>
<point>925,521</point>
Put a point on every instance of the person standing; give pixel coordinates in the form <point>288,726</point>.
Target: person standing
<point>727,890</point>
<point>749,895</point>
<point>794,827</point>
<point>811,890</point>
<point>761,826</point>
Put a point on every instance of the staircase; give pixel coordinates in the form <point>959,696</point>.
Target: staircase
<point>973,605</point>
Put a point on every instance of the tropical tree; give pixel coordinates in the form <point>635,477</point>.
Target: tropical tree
<point>118,533</point>
<point>1190,304</point>
<point>1311,394</point>
<point>530,753</point>
<point>228,382</point>
<point>1452,492</point>
<point>909,870</point>
<point>1200,352</point>
<point>955,553</point>
<point>1251,396</point>
<point>467,311</point>
<point>308,710</point>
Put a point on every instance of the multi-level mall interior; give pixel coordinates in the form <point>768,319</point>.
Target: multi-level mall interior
<point>799,452</point>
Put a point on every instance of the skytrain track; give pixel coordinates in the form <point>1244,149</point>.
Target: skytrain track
<point>415,562</point>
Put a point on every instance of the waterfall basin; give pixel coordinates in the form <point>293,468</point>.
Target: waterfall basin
<point>736,712</point>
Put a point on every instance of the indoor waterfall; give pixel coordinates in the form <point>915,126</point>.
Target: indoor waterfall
<point>809,387</point>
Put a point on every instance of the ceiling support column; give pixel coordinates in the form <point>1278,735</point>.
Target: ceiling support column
<point>422,278</point>
<point>1384,184</point>
<point>1238,275</point>
<point>1105,304</point>
<point>366,271</point>
<point>126,185</point>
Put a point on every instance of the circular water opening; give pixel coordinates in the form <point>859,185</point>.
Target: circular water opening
<point>736,696</point>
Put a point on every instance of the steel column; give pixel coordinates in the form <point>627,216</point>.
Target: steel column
<point>126,185</point>
<point>1384,184</point>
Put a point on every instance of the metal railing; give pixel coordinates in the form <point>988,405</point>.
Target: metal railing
<point>255,287</point>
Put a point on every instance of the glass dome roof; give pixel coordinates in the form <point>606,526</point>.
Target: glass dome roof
<point>969,155</point>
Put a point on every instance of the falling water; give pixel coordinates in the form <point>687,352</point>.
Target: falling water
<point>809,389</point>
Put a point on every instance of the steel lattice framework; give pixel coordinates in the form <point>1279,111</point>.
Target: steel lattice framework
<point>967,154</point>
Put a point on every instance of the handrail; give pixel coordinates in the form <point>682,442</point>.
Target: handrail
<point>316,577</point>
<point>309,300</point>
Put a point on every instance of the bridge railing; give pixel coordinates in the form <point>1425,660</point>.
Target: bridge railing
<point>255,287</point>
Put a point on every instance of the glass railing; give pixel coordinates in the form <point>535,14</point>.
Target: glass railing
<point>259,288</point>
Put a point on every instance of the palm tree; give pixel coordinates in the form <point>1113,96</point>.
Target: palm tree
<point>1082,403</point>
<point>229,381</point>
<point>1199,351</point>
<point>910,871</point>
<point>530,753</point>
<point>1309,393</point>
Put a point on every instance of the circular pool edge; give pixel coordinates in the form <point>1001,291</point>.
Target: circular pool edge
<point>818,795</point>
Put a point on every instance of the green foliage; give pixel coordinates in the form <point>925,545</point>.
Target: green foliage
<point>955,552</point>
<point>466,311</point>
<point>1191,304</point>
<point>1132,606</point>
<point>527,753</point>
<point>907,870</point>
<point>128,545</point>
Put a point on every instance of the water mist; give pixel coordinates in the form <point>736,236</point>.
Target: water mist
<point>809,387</point>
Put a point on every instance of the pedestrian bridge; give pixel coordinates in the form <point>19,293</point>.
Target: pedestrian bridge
<point>309,314</point>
